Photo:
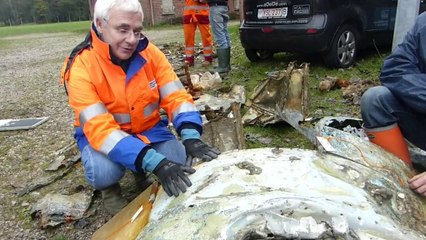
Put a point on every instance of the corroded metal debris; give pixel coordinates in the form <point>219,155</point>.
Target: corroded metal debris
<point>284,94</point>
<point>222,124</point>
<point>352,89</point>
<point>54,208</point>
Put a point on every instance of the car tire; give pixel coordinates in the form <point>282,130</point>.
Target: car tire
<point>344,48</point>
<point>258,55</point>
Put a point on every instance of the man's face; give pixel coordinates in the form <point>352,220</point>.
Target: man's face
<point>121,31</point>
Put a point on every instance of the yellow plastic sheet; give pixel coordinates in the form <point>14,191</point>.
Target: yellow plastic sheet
<point>120,226</point>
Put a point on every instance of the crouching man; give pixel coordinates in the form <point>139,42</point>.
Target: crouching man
<point>117,81</point>
<point>396,110</point>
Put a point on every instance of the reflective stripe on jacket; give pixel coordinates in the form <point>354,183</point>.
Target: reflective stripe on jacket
<point>118,112</point>
<point>195,11</point>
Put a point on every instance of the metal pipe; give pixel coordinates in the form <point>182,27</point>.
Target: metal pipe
<point>406,14</point>
<point>152,12</point>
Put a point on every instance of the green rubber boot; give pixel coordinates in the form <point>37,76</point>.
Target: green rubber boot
<point>224,57</point>
<point>113,200</point>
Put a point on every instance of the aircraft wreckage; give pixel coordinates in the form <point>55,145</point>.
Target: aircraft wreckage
<point>357,192</point>
<point>348,189</point>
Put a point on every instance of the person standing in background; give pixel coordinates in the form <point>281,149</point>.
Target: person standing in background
<point>196,13</point>
<point>219,23</point>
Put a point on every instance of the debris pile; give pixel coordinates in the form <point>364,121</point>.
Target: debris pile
<point>352,89</point>
<point>331,83</point>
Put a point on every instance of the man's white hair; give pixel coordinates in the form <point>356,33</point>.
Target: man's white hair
<point>102,8</point>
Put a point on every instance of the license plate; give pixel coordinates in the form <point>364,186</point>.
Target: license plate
<point>301,9</point>
<point>265,13</point>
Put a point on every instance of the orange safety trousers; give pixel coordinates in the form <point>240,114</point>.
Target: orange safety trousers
<point>189,28</point>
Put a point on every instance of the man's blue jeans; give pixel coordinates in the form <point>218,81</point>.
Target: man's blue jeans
<point>219,24</point>
<point>380,108</point>
<point>101,172</point>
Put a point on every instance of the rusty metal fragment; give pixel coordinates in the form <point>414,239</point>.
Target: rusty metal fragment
<point>283,96</point>
<point>225,131</point>
<point>65,157</point>
<point>54,209</point>
<point>222,124</point>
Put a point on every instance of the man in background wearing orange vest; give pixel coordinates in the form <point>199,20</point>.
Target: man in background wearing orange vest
<point>196,13</point>
<point>117,81</point>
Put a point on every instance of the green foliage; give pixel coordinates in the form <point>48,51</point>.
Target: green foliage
<point>79,27</point>
<point>15,12</point>
<point>42,10</point>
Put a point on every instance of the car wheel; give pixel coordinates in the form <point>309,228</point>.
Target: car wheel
<point>344,48</point>
<point>257,55</point>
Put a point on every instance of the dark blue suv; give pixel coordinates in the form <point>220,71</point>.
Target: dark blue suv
<point>336,29</point>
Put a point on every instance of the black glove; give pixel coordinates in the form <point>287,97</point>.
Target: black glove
<point>197,148</point>
<point>172,177</point>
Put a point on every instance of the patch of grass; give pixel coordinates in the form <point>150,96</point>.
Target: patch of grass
<point>331,103</point>
<point>78,27</point>
<point>165,26</point>
<point>23,215</point>
<point>4,44</point>
<point>60,237</point>
<point>288,137</point>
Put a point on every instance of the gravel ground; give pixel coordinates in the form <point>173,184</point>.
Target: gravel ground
<point>29,79</point>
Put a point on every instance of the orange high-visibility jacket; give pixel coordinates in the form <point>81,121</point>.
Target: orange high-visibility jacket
<point>195,11</point>
<point>117,113</point>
